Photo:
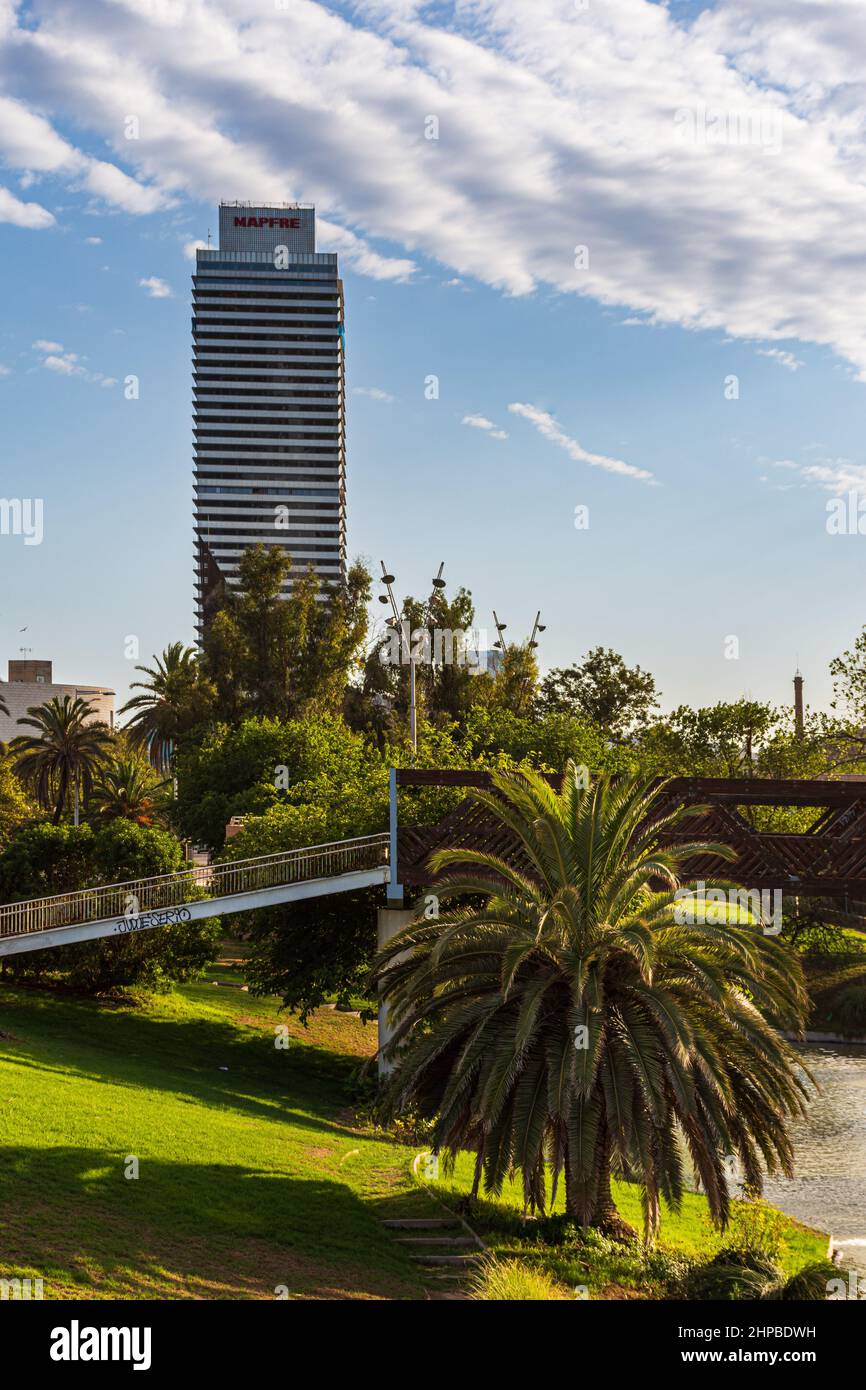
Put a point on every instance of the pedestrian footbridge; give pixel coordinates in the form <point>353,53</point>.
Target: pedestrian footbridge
<point>116,909</point>
<point>827,860</point>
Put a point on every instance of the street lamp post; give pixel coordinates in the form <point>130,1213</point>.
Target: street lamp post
<point>389,580</point>
<point>501,645</point>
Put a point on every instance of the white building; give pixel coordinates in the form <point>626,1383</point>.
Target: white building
<point>269,397</point>
<point>31,683</point>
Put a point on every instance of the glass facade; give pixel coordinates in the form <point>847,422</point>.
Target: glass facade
<point>268,391</point>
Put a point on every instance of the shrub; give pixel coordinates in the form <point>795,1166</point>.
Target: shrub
<point>45,859</point>
<point>153,959</point>
<point>744,1274</point>
<point>335,785</point>
<point>308,951</point>
<point>756,1228</point>
<point>849,1011</point>
<point>733,1274</point>
<point>514,1282</point>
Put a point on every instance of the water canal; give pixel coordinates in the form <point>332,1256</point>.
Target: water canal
<point>829,1189</point>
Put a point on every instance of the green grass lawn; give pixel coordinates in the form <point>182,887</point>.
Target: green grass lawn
<point>251,1172</point>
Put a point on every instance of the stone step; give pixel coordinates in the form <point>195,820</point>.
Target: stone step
<point>419,1223</point>
<point>461,1260</point>
<point>438,1240</point>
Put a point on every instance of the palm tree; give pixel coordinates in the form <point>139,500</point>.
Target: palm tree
<point>4,708</point>
<point>174,700</point>
<point>559,1019</point>
<point>63,755</point>
<point>124,789</point>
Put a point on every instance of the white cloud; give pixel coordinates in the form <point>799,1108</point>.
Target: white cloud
<point>557,128</point>
<point>190,248</point>
<point>5,371</point>
<point>156,288</point>
<point>117,188</point>
<point>480,422</point>
<point>28,141</point>
<point>55,359</point>
<point>832,475</point>
<point>838,476</point>
<point>375,393</point>
<point>785,359</point>
<point>20,214</point>
<point>359,255</point>
<point>67,365</point>
<point>93,240</point>
<point>550,428</point>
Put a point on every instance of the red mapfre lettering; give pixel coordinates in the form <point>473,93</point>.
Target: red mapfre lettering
<point>268,222</point>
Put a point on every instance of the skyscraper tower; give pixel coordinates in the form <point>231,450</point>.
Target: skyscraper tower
<point>268,388</point>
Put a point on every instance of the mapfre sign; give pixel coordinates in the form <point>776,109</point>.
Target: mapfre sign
<point>258,222</point>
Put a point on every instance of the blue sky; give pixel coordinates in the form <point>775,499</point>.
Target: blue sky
<point>707,515</point>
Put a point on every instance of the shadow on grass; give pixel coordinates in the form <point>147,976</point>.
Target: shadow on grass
<point>215,1062</point>
<point>184,1230</point>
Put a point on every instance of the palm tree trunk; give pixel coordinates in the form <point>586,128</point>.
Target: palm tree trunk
<point>61,797</point>
<point>476,1179</point>
<point>600,1214</point>
<point>605,1217</point>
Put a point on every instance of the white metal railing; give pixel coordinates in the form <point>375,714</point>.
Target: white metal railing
<point>189,885</point>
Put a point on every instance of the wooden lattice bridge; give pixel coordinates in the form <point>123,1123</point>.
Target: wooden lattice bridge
<point>828,859</point>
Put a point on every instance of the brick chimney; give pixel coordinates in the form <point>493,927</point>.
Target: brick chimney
<point>798,704</point>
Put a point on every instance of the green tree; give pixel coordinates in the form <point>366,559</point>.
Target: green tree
<point>338,788</point>
<point>616,697</point>
<point>722,740</point>
<point>126,788</point>
<point>264,763</point>
<point>514,686</point>
<point>546,742</point>
<point>307,951</point>
<point>789,753</point>
<point>45,859</point>
<point>62,757</point>
<point>848,673</point>
<point>558,1019</point>
<point>277,652</point>
<point>310,951</point>
<point>440,631</point>
<point>175,699</point>
<point>846,745</point>
<point>16,807</point>
<point>123,850</point>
